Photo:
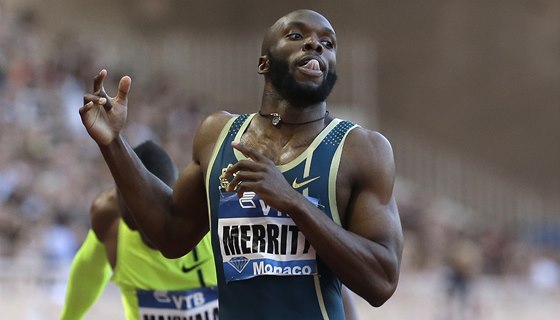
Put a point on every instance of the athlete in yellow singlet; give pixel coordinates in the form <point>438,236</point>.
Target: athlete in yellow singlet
<point>151,285</point>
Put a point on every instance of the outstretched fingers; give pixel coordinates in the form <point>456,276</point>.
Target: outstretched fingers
<point>99,95</point>
<point>124,88</point>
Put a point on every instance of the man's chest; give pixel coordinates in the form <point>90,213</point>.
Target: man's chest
<point>280,150</point>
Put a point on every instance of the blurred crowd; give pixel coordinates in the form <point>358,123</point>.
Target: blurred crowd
<point>50,170</point>
<point>445,239</point>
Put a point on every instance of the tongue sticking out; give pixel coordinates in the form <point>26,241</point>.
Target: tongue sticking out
<point>312,65</point>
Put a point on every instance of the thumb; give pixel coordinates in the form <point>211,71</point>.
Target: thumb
<point>124,88</point>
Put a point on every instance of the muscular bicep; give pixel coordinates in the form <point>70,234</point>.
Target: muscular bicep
<point>372,211</point>
<point>376,220</point>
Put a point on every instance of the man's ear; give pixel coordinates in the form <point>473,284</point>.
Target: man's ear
<point>264,65</point>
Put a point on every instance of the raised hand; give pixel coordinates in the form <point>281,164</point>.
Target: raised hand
<point>104,117</point>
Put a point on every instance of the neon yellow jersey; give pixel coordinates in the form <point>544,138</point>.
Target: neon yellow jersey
<point>140,269</point>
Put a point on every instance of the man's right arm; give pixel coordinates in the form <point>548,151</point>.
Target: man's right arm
<point>174,221</point>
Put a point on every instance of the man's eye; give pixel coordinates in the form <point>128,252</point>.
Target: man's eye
<point>295,36</point>
<point>327,44</point>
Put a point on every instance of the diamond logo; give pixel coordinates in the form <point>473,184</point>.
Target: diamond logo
<point>238,263</point>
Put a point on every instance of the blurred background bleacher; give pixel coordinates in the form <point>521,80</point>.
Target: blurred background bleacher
<point>468,92</point>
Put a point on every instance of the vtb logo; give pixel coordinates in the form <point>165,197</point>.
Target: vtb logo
<point>246,201</point>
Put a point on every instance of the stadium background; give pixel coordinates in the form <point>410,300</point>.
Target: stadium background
<point>468,93</point>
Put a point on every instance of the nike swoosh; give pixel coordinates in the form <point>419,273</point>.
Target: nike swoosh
<point>297,185</point>
<point>191,268</point>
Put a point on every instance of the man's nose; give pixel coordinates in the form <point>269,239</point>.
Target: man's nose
<point>313,44</point>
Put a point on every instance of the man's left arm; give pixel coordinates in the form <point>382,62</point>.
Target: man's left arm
<point>366,254</point>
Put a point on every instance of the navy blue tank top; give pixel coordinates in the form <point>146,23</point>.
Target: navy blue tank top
<point>266,268</point>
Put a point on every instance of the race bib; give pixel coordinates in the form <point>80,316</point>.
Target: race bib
<point>201,303</point>
<point>256,240</point>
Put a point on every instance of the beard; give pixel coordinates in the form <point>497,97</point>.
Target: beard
<point>285,83</point>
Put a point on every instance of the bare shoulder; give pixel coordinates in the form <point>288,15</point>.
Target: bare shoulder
<point>207,134</point>
<point>215,121</point>
<point>104,212</point>
<point>369,157</point>
<point>368,144</point>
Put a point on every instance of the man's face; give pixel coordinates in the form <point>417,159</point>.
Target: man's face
<point>290,89</point>
<point>302,57</point>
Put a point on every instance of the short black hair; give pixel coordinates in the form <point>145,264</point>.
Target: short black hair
<point>157,161</point>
